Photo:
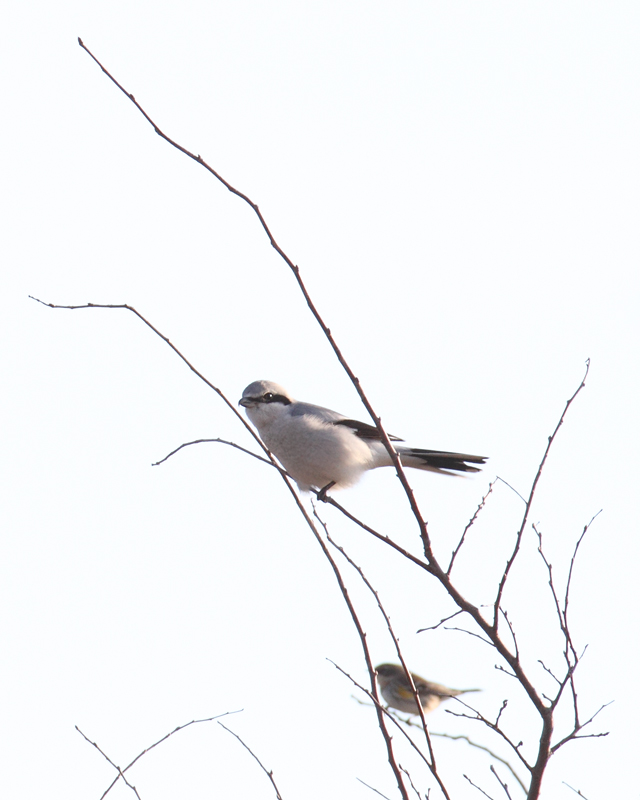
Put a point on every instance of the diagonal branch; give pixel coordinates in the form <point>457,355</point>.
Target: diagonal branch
<point>468,526</point>
<point>269,773</point>
<point>147,749</point>
<point>296,273</point>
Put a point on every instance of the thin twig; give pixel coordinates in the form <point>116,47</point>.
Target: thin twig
<point>577,791</point>
<point>147,749</point>
<point>525,517</point>
<point>504,785</point>
<point>220,441</point>
<point>487,750</point>
<point>113,764</point>
<point>475,786</point>
<point>468,526</point>
<point>442,621</point>
<point>373,789</point>
<point>494,726</point>
<point>269,773</point>
<point>406,772</point>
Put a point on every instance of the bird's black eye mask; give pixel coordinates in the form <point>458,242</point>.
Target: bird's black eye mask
<point>270,397</point>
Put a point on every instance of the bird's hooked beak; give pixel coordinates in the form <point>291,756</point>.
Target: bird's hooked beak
<point>247,402</point>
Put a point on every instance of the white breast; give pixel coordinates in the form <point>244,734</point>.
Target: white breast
<point>314,452</point>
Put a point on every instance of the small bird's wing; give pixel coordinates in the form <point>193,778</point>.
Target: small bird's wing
<point>365,431</point>
<point>298,409</point>
<point>361,429</point>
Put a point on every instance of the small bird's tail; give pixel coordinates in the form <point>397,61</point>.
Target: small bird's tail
<point>438,460</point>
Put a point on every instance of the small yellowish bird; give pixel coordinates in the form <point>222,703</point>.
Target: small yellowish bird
<point>397,691</point>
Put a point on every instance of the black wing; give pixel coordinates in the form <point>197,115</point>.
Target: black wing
<point>365,431</point>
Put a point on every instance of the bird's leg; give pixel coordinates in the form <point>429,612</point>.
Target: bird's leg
<point>322,494</point>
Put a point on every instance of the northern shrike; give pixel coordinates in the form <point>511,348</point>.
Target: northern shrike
<point>322,449</point>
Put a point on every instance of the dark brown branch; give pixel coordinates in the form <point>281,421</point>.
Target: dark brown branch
<point>268,773</point>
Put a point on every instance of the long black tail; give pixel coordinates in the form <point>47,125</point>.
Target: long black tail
<point>438,460</point>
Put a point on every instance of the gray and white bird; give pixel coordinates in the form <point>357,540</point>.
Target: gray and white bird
<point>397,691</point>
<point>322,449</point>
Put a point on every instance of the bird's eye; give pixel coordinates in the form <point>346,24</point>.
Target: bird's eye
<point>267,397</point>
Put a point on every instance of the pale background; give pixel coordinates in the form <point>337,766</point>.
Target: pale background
<point>458,182</point>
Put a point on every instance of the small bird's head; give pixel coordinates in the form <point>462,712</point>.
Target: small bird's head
<point>264,392</point>
<point>264,400</point>
<point>388,672</point>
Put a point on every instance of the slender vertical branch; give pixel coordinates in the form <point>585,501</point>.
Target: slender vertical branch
<point>516,549</point>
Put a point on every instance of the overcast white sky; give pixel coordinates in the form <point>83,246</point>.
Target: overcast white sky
<point>458,182</point>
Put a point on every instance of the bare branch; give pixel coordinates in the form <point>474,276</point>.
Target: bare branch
<point>575,733</point>
<point>468,526</point>
<point>577,791</point>
<point>475,786</point>
<point>373,789</point>
<point>220,441</point>
<point>406,772</point>
<point>509,486</point>
<point>438,624</point>
<point>471,743</point>
<point>115,766</point>
<point>385,539</point>
<point>494,726</point>
<point>470,633</point>
<point>525,517</point>
<point>147,749</point>
<point>512,631</point>
<point>504,785</point>
<point>269,773</point>
<point>231,406</point>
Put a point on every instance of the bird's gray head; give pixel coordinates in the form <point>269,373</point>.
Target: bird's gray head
<point>389,671</point>
<point>262,393</point>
